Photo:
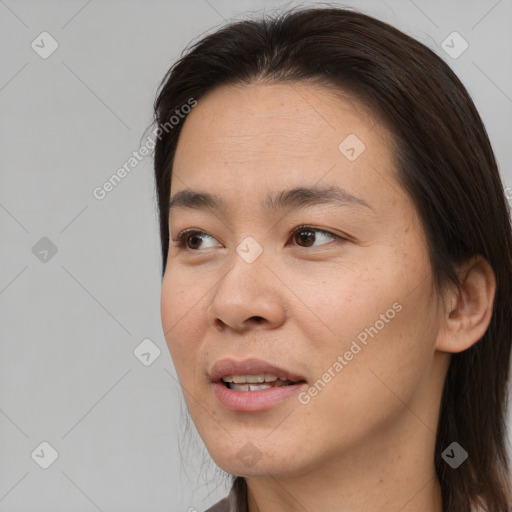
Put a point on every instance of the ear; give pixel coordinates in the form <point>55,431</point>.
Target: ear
<point>468,310</point>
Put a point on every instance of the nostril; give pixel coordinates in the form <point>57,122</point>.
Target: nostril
<point>220,325</point>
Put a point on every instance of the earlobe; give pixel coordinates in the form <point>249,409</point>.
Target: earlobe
<point>468,309</point>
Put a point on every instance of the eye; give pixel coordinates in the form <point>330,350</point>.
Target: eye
<point>308,237</point>
<point>192,238</point>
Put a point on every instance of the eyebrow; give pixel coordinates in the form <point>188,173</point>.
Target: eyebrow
<point>294,199</point>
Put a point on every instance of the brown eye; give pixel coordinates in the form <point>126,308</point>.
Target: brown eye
<point>306,236</point>
<point>191,239</point>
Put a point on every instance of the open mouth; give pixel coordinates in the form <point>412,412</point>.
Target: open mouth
<point>252,384</point>
<point>255,382</point>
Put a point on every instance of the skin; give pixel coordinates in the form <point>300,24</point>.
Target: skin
<point>366,441</point>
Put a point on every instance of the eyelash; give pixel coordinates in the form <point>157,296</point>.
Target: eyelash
<point>181,239</point>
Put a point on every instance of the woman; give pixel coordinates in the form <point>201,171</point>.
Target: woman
<point>336,268</point>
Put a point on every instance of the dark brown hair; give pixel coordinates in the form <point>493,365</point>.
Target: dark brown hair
<point>444,161</point>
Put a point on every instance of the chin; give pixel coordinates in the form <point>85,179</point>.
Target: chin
<point>243,458</point>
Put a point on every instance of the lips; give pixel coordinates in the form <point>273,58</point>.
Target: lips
<point>252,397</point>
<point>229,367</point>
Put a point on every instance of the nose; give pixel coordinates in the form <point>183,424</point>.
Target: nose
<point>247,297</point>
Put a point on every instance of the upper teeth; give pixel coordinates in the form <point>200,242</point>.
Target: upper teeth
<point>252,379</point>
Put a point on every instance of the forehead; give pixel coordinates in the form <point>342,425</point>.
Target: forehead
<point>243,141</point>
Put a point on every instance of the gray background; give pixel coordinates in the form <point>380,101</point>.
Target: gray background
<point>70,324</point>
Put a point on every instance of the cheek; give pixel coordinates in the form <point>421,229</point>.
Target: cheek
<point>381,316</point>
<point>387,344</point>
<point>182,315</point>
<point>346,298</point>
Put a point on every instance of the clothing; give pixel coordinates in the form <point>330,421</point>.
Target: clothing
<point>228,504</point>
<point>222,506</point>
<point>235,501</point>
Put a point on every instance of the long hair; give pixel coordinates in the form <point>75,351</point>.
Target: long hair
<point>443,160</point>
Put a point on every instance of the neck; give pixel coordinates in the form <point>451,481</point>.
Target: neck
<point>378,475</point>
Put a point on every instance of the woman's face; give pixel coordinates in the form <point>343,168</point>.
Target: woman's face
<point>344,307</point>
